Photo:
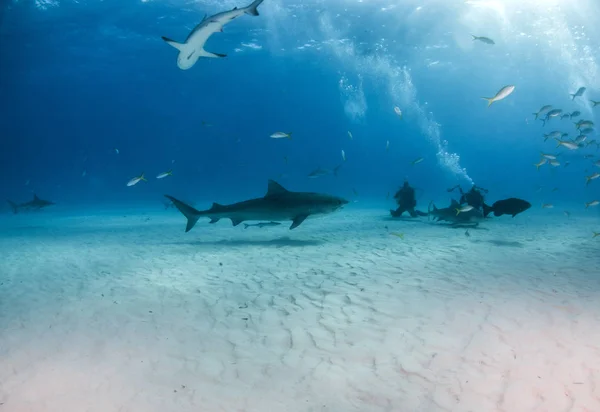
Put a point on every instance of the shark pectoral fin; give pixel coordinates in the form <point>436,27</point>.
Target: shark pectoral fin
<point>205,53</point>
<point>214,219</point>
<point>298,221</point>
<point>236,222</point>
<point>173,43</point>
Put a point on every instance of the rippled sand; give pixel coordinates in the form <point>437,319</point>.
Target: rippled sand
<point>129,313</point>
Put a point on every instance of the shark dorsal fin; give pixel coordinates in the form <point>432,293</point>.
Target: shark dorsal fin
<point>204,18</point>
<point>216,206</point>
<point>235,8</point>
<point>275,189</point>
<point>454,203</point>
<point>35,197</point>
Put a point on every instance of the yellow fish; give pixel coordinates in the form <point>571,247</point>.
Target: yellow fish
<point>400,235</point>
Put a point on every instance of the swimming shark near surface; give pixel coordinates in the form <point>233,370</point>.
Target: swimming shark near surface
<point>451,214</point>
<point>193,47</point>
<point>279,204</point>
<point>35,204</point>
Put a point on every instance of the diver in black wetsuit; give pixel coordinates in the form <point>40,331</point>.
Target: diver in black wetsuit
<point>405,198</point>
<point>473,197</point>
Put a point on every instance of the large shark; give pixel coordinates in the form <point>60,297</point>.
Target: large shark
<point>452,215</point>
<point>35,204</point>
<point>193,47</point>
<point>279,204</point>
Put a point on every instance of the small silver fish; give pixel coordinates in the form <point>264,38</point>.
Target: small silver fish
<point>589,178</point>
<point>592,203</point>
<point>398,111</point>
<point>463,209</point>
<point>542,111</point>
<point>578,93</point>
<point>343,155</point>
<point>502,94</point>
<point>281,135</point>
<point>568,145</point>
<point>136,180</point>
<point>483,39</point>
<point>547,206</point>
<point>417,161</point>
<point>350,135</point>
<point>164,174</point>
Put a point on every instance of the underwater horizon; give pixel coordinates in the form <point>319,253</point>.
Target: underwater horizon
<point>309,109</point>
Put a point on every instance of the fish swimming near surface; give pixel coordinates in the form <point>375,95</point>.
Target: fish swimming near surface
<point>261,224</point>
<point>511,206</point>
<point>594,103</point>
<point>567,144</point>
<point>542,111</point>
<point>279,204</point>
<point>554,135</point>
<point>576,113</point>
<point>578,93</point>
<point>483,39</point>
<point>35,204</point>
<point>502,94</point>
<point>552,113</point>
<point>541,163</point>
<point>193,47</point>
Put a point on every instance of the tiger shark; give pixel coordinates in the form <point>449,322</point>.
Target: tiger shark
<point>35,204</point>
<point>193,47</point>
<point>279,204</point>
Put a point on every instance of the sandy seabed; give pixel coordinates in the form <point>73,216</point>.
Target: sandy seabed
<point>105,313</point>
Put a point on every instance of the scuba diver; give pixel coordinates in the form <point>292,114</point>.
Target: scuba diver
<point>473,197</point>
<point>405,198</point>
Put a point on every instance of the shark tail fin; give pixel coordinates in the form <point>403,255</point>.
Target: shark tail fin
<point>252,9</point>
<point>173,43</point>
<point>536,115</point>
<point>13,206</point>
<point>490,100</point>
<point>487,210</point>
<point>189,212</point>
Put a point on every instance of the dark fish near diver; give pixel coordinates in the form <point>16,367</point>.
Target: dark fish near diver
<point>511,206</point>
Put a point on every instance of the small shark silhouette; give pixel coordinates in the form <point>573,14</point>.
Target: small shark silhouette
<point>193,47</point>
<point>35,204</point>
<point>279,204</point>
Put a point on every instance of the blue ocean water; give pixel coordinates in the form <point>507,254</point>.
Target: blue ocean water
<point>107,305</point>
<point>81,79</point>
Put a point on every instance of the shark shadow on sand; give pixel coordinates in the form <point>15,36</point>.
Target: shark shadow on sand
<point>278,243</point>
<point>500,242</point>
